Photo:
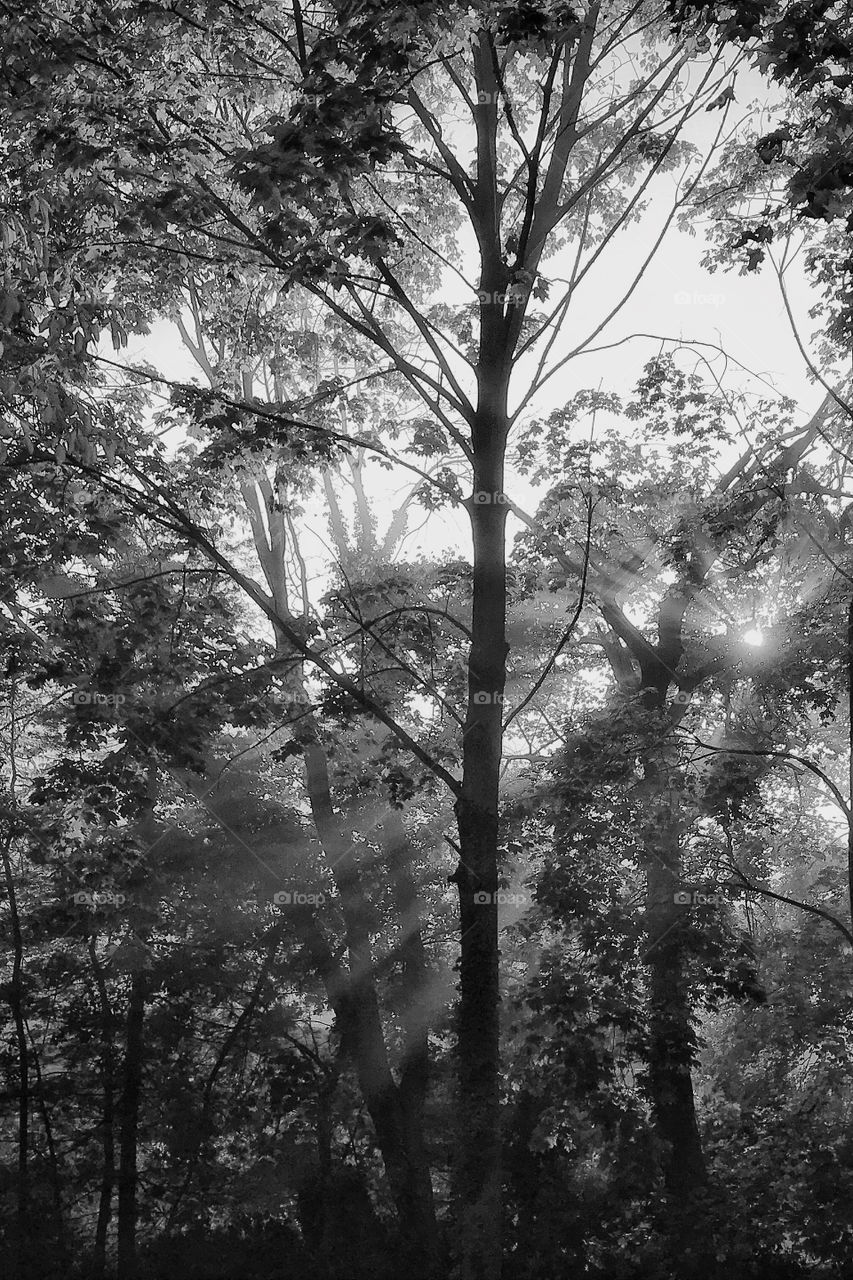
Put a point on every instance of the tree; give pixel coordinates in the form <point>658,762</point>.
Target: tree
<point>361,121</point>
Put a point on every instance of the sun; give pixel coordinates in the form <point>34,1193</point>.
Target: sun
<point>754,636</point>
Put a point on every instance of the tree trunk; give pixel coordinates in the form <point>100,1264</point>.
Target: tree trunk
<point>129,1129</point>
<point>108,1169</point>
<point>479,1219</point>
<point>671,1038</point>
<point>670,1034</point>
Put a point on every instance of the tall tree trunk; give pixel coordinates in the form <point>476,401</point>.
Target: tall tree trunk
<point>108,1169</point>
<point>16,1002</point>
<point>479,1219</point>
<point>129,1129</point>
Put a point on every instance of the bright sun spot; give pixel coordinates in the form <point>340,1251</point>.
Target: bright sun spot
<point>753,636</point>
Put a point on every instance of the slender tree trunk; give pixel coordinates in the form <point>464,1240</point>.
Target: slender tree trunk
<point>129,1129</point>
<point>108,1169</point>
<point>16,1002</point>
